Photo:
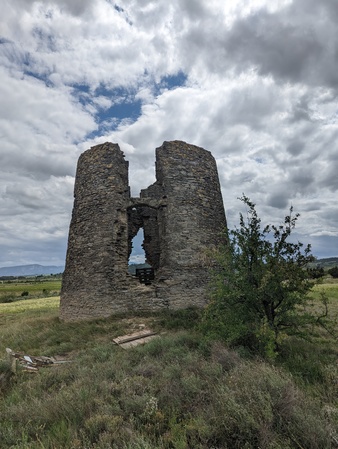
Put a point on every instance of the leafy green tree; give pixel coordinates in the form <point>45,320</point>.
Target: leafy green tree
<point>333,271</point>
<point>316,273</point>
<point>259,283</point>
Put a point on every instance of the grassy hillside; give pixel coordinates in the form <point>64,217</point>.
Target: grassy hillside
<point>178,391</point>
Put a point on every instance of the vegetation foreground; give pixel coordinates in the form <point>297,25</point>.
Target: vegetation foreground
<point>256,369</point>
<point>180,390</point>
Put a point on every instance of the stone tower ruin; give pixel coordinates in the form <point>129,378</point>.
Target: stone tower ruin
<point>182,216</point>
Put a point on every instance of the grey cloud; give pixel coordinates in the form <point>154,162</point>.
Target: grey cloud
<point>325,141</point>
<point>242,178</point>
<point>37,215</point>
<point>27,193</point>
<point>302,178</point>
<point>251,97</point>
<point>313,206</point>
<point>295,147</point>
<point>323,246</point>
<point>246,105</point>
<point>45,166</point>
<point>17,251</point>
<point>195,9</point>
<point>294,44</point>
<point>281,49</point>
<point>75,7</point>
<point>279,200</point>
<point>301,110</point>
<point>329,177</point>
<point>323,11</point>
<point>333,155</point>
<point>40,166</point>
<point>28,198</point>
<point>330,214</point>
<point>24,4</point>
<point>148,14</point>
<point>12,54</point>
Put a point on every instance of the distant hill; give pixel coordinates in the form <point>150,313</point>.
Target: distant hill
<point>30,270</point>
<point>328,262</point>
<point>132,267</point>
<point>37,270</point>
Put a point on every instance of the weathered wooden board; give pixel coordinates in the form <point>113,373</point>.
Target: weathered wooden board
<point>31,363</point>
<point>140,341</point>
<point>137,338</point>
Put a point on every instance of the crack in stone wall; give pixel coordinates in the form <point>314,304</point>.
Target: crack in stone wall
<point>182,216</point>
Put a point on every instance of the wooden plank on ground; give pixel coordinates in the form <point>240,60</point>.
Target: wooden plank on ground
<point>135,339</point>
<point>140,341</point>
<point>31,363</point>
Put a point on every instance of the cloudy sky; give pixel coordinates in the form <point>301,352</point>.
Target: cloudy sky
<point>253,81</point>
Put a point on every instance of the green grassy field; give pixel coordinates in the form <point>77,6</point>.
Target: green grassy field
<point>179,391</point>
<point>35,288</point>
<point>30,306</point>
<point>330,288</point>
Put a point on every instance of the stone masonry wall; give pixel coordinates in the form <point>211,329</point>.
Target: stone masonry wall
<point>96,260</point>
<point>192,222</point>
<point>182,216</point>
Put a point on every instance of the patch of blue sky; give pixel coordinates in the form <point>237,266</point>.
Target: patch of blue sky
<point>123,104</point>
<point>81,93</point>
<point>110,107</point>
<point>123,107</point>
<point>43,77</point>
<point>171,82</point>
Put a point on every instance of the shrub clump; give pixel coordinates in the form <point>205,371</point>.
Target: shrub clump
<point>259,284</point>
<point>174,392</point>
